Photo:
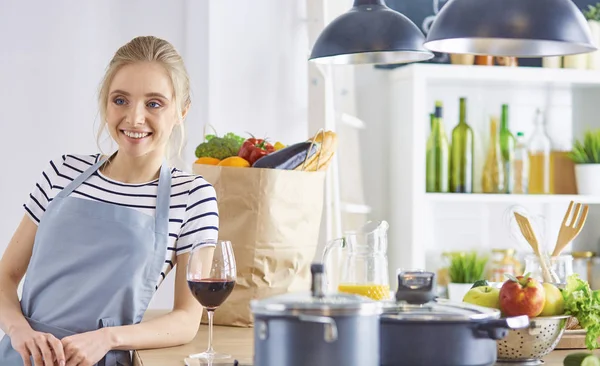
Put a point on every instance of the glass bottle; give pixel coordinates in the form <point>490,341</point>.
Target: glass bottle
<point>520,166</point>
<point>492,180</point>
<point>539,148</point>
<point>461,154</point>
<point>438,154</point>
<point>507,146</point>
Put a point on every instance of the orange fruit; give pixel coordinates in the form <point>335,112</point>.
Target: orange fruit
<point>208,161</point>
<point>235,161</point>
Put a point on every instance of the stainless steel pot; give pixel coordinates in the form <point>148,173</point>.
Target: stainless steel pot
<point>316,329</point>
<point>420,330</point>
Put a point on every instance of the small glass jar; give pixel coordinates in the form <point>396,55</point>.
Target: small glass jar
<point>561,266</point>
<point>503,262</point>
<point>582,264</point>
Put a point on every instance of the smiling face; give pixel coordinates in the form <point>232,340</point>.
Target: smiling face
<point>140,110</point>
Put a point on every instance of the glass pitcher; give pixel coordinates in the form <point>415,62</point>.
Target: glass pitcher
<point>364,269</point>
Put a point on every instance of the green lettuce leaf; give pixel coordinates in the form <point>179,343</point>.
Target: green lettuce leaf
<point>584,304</point>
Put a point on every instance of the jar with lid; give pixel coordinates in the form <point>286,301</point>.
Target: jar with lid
<point>582,264</point>
<point>561,267</point>
<point>503,262</point>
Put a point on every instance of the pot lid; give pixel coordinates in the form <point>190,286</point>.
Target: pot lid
<point>438,310</point>
<point>316,301</point>
<point>416,300</point>
<point>305,303</point>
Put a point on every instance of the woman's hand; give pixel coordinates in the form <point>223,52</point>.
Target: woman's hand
<point>45,348</point>
<point>86,349</point>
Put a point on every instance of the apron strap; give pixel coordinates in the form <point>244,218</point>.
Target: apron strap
<point>163,196</point>
<point>80,179</point>
<point>163,199</point>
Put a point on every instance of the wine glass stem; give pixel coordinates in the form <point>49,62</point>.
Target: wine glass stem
<point>210,330</point>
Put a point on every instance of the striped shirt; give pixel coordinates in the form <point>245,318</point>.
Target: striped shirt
<point>193,212</point>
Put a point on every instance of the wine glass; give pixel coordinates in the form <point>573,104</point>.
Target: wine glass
<point>211,275</point>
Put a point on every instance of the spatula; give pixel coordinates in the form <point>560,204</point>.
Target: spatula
<point>529,235</point>
<point>570,227</point>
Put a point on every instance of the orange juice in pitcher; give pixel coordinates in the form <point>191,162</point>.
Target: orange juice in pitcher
<point>364,271</point>
<point>373,291</point>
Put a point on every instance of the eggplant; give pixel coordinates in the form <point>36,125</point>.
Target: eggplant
<point>290,157</point>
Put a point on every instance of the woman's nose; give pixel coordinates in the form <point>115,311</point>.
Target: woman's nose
<point>137,115</point>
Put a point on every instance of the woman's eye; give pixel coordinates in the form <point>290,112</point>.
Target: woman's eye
<point>153,105</point>
<point>119,101</point>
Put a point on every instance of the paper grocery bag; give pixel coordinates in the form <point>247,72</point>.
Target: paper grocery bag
<point>272,218</point>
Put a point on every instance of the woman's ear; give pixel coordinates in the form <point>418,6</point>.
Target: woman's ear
<point>184,113</point>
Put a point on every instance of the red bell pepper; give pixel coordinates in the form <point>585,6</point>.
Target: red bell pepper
<point>253,149</point>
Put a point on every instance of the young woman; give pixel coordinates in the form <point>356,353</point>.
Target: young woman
<point>100,234</point>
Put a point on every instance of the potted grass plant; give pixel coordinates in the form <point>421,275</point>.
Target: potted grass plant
<point>465,268</point>
<point>586,156</point>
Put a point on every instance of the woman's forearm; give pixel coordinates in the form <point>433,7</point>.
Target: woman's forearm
<point>11,316</point>
<point>172,329</point>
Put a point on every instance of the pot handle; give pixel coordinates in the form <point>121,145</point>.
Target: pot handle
<point>331,333</point>
<point>498,328</point>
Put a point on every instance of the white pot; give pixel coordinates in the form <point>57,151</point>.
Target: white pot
<point>588,179</point>
<point>457,291</point>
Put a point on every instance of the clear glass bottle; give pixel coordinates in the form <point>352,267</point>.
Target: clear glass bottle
<point>520,166</point>
<point>492,180</point>
<point>438,154</point>
<point>461,154</point>
<point>539,147</point>
<point>507,146</point>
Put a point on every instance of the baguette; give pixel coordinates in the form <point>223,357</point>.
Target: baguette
<point>321,160</point>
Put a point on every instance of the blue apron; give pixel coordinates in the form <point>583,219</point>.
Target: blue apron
<point>93,265</point>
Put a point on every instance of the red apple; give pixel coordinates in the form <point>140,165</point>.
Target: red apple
<point>522,295</point>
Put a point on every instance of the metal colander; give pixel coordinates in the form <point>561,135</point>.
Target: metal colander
<point>527,346</point>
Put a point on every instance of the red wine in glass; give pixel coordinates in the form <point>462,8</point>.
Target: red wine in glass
<point>211,275</point>
<point>211,292</point>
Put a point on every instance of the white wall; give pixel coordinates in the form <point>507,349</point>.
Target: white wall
<point>248,72</point>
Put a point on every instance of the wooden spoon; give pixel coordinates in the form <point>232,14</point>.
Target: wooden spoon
<point>570,227</point>
<point>529,235</point>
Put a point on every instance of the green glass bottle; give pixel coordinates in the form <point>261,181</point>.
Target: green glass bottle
<point>438,154</point>
<point>461,154</point>
<point>507,147</point>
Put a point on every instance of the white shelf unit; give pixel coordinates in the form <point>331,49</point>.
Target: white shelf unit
<point>422,225</point>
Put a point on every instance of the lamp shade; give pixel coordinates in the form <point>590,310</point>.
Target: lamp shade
<point>370,33</point>
<point>519,28</point>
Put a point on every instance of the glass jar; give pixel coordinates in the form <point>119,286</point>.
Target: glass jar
<point>503,262</point>
<point>562,266</point>
<point>582,264</point>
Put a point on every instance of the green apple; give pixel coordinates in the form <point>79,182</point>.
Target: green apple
<point>487,296</point>
<point>555,304</point>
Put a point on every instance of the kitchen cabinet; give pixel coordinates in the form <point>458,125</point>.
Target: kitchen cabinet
<point>423,225</point>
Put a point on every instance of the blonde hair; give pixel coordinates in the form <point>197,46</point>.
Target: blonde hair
<point>150,49</point>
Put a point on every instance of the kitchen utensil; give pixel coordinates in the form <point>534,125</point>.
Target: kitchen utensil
<point>529,235</point>
<point>527,346</point>
<point>298,329</point>
<point>211,275</point>
<point>538,222</point>
<point>420,330</point>
<point>364,270</point>
<point>571,226</point>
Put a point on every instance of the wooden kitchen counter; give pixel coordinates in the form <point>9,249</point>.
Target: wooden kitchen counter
<point>238,342</point>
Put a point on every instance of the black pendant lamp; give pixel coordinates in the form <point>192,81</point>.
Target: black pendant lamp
<point>519,28</point>
<point>370,33</point>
